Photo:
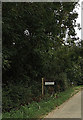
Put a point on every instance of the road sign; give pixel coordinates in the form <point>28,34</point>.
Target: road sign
<point>46,83</point>
<point>49,83</point>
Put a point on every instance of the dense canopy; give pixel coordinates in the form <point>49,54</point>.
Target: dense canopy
<point>34,47</point>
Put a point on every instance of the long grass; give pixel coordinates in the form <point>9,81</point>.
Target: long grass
<point>37,110</point>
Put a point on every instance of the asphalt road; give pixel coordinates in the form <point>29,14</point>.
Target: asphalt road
<point>69,109</point>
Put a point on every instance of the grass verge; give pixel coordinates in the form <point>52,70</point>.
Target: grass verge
<point>36,110</point>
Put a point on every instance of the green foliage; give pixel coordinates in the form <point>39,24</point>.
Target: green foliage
<point>15,95</point>
<point>41,20</point>
<point>36,110</point>
<point>27,57</point>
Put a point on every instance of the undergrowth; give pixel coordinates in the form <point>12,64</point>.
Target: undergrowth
<point>38,109</point>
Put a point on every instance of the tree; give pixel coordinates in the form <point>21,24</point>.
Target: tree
<point>33,44</point>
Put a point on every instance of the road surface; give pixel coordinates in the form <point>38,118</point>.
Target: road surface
<point>69,109</point>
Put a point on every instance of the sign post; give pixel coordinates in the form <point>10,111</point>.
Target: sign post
<point>46,83</point>
<point>42,86</point>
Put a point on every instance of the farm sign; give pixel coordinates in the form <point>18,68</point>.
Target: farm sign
<point>49,83</point>
<point>46,83</point>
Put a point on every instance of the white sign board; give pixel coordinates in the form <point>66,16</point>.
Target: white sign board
<point>49,83</point>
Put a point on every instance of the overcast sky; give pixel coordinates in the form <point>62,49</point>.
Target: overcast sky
<point>78,9</point>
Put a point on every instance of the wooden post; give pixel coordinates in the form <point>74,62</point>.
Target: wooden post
<point>42,86</point>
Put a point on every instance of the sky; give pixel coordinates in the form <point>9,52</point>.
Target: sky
<point>78,20</point>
